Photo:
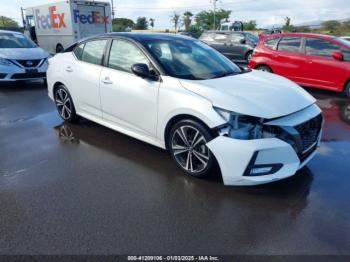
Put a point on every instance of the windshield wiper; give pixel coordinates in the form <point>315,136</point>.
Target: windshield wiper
<point>225,74</point>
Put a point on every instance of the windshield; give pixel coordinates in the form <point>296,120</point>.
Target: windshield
<point>189,59</point>
<point>9,40</point>
<point>343,41</point>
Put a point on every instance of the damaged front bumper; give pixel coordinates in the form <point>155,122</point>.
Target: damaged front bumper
<point>260,161</point>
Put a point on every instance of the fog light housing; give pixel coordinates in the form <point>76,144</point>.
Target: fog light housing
<point>261,170</point>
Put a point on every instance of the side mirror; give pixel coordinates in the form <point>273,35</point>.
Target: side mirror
<point>338,56</point>
<point>143,71</point>
<point>242,41</point>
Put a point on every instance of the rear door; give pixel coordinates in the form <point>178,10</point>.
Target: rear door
<point>83,76</point>
<point>91,19</point>
<point>321,69</point>
<point>289,59</point>
<point>237,48</point>
<point>220,43</point>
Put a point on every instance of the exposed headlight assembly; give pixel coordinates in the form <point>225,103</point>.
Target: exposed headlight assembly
<point>4,62</point>
<point>242,126</point>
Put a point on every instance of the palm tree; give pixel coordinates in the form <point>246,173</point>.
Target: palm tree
<point>175,19</point>
<point>151,22</point>
<point>187,20</point>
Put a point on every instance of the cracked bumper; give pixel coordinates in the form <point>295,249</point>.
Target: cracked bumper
<point>235,156</point>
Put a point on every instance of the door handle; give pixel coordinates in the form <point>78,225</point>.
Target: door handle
<point>309,61</point>
<point>107,81</point>
<point>69,69</point>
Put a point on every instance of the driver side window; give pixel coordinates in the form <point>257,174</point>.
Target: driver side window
<point>124,54</point>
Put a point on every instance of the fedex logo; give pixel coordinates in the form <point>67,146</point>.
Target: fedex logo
<point>51,20</point>
<point>94,17</point>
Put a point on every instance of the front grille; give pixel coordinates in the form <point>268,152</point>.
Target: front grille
<point>29,63</point>
<point>309,132</point>
<point>28,75</point>
<point>2,76</point>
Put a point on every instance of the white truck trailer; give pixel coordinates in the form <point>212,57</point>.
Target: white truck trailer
<point>56,26</point>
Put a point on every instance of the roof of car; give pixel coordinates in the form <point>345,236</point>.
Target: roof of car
<point>304,35</point>
<point>146,36</point>
<point>7,31</point>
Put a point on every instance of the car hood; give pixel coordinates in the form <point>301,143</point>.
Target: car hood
<point>255,93</point>
<point>23,53</point>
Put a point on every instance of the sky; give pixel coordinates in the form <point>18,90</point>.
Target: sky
<point>267,13</point>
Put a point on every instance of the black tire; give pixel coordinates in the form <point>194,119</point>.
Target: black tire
<point>64,104</point>
<point>248,56</point>
<point>347,90</point>
<point>59,48</point>
<point>264,68</point>
<point>192,157</point>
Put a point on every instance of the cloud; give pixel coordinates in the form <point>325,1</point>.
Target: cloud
<point>265,12</point>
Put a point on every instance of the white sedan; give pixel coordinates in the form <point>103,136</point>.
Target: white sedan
<point>179,94</point>
<point>20,58</point>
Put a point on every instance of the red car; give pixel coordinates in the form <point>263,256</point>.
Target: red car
<point>308,59</point>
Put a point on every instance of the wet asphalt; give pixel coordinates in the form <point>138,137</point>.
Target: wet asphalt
<point>85,189</point>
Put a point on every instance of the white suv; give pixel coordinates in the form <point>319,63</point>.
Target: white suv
<point>177,93</point>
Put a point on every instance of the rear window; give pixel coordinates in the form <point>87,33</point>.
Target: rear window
<point>290,44</point>
<point>93,52</point>
<point>236,38</point>
<point>272,43</point>
<point>207,37</point>
<point>221,38</point>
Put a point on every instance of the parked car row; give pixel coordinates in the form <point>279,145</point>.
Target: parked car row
<point>310,60</point>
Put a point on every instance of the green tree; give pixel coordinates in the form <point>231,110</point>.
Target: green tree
<point>288,27</point>
<point>205,19</point>
<point>151,22</point>
<point>141,23</point>
<point>121,24</point>
<point>175,18</point>
<point>251,25</point>
<point>7,22</point>
<point>332,26</point>
<point>187,20</point>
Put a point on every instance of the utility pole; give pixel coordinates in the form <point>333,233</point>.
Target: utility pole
<point>112,9</point>
<point>214,6</point>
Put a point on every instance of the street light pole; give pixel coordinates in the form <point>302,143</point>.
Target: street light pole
<point>214,5</point>
<point>112,9</point>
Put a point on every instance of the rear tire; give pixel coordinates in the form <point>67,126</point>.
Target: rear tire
<point>187,144</point>
<point>264,68</point>
<point>248,56</point>
<point>347,90</point>
<point>64,105</point>
<point>59,48</point>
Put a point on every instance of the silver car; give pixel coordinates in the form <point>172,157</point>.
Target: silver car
<point>21,58</point>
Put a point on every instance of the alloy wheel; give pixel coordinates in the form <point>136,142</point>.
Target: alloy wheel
<point>63,103</point>
<point>189,149</point>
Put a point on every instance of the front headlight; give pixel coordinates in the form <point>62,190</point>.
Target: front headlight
<point>4,62</point>
<point>241,126</point>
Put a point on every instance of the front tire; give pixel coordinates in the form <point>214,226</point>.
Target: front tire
<point>64,104</point>
<point>187,143</point>
<point>264,68</point>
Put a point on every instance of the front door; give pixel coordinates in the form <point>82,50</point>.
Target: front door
<point>128,101</point>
